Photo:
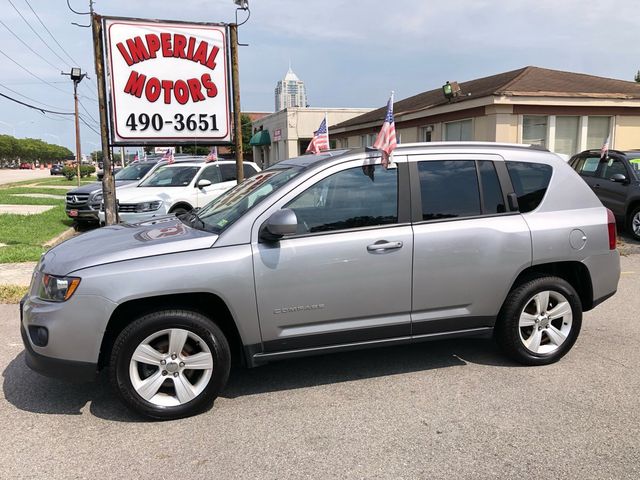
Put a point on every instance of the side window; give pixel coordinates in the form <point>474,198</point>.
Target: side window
<point>611,167</point>
<point>492,198</point>
<point>227,172</point>
<point>449,189</point>
<point>211,173</point>
<point>530,181</point>
<point>248,170</point>
<point>586,166</point>
<point>356,197</point>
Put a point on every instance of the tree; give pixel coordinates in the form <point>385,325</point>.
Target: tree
<point>31,149</point>
<point>637,77</point>
<point>245,122</point>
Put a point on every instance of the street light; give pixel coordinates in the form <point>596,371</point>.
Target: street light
<point>242,4</point>
<point>77,76</point>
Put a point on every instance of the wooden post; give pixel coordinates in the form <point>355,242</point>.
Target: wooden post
<point>237,120</point>
<point>108,182</point>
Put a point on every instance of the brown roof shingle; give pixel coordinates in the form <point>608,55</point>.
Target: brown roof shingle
<point>529,81</point>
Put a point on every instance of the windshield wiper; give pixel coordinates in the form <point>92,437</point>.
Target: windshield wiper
<point>192,219</point>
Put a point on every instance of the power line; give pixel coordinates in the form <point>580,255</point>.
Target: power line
<point>33,74</point>
<point>87,112</point>
<point>51,34</point>
<point>26,45</point>
<point>37,34</point>
<point>29,98</point>
<point>88,126</point>
<point>43,110</point>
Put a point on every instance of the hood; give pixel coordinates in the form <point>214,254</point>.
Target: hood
<point>124,242</point>
<point>96,187</point>
<point>145,194</point>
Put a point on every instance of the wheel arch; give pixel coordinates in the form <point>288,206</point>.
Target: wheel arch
<point>180,204</point>
<point>574,272</point>
<point>208,304</point>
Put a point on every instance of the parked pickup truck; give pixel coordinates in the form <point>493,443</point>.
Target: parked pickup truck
<point>325,253</point>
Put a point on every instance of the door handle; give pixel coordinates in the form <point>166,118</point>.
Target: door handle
<point>383,245</point>
<point>597,185</point>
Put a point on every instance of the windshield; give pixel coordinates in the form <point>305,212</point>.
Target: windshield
<point>171,176</point>
<point>635,164</point>
<point>218,215</point>
<point>134,172</point>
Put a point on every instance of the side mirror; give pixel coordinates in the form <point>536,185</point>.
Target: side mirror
<point>281,223</point>
<point>618,178</point>
<point>203,183</point>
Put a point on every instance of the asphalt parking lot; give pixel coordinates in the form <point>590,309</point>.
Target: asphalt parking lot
<point>454,409</point>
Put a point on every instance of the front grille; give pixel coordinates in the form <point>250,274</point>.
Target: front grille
<point>76,199</point>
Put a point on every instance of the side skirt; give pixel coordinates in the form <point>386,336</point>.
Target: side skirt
<point>257,359</point>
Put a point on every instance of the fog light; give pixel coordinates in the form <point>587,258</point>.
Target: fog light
<point>39,335</point>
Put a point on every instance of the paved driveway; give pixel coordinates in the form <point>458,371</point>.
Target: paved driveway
<point>450,410</point>
<point>8,175</point>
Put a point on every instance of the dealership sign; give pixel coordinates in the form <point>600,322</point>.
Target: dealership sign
<point>169,82</point>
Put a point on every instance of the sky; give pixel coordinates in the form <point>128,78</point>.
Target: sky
<point>348,53</point>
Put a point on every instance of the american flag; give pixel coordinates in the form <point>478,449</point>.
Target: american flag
<point>213,155</point>
<point>136,158</point>
<point>386,139</point>
<point>168,156</point>
<point>320,141</point>
<point>604,151</point>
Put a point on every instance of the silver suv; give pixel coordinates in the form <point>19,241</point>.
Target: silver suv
<point>326,253</point>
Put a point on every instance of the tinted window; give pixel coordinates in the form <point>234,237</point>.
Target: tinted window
<point>134,172</point>
<point>530,181</point>
<point>357,197</point>
<point>449,189</point>
<point>612,166</point>
<point>586,166</point>
<point>491,191</point>
<point>228,171</point>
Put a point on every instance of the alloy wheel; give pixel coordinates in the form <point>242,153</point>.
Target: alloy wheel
<point>545,322</point>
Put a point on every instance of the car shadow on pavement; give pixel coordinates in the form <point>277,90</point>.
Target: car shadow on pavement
<point>31,392</point>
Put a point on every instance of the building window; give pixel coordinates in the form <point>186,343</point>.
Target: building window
<point>458,131</point>
<point>598,129</point>
<point>566,137</point>
<point>534,130</point>
<point>425,133</point>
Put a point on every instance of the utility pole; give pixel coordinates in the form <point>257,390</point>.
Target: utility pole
<point>237,121</point>
<point>77,76</point>
<point>108,182</point>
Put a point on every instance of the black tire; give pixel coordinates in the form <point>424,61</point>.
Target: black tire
<point>180,211</point>
<point>507,329</point>
<point>145,326</point>
<point>634,212</point>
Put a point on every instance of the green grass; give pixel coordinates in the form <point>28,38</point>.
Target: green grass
<point>25,235</point>
<point>55,181</point>
<point>12,293</point>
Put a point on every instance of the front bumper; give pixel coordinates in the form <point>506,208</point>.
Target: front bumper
<point>53,367</point>
<point>84,215</point>
<point>75,331</point>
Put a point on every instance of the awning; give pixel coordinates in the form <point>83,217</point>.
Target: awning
<point>260,138</point>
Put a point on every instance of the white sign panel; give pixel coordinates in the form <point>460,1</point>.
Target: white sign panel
<point>169,82</point>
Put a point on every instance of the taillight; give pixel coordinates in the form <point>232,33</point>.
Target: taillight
<point>611,225</point>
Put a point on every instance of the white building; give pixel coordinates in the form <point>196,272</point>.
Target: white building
<point>287,133</point>
<point>290,92</point>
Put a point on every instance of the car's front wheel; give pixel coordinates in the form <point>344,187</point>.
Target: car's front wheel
<point>633,223</point>
<point>539,321</point>
<point>170,364</point>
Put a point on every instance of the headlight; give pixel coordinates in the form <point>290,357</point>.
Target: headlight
<point>57,289</point>
<point>97,197</point>
<point>148,206</point>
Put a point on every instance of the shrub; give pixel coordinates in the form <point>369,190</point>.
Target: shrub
<point>69,172</point>
<point>86,170</point>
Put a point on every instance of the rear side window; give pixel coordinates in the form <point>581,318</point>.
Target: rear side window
<point>530,182</point>
<point>492,199</point>
<point>586,166</point>
<point>228,171</point>
<point>449,189</point>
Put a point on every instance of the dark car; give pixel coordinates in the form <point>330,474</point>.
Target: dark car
<point>615,179</point>
<point>82,204</point>
<point>56,170</point>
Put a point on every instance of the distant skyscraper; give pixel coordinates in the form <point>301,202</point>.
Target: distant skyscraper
<point>290,92</point>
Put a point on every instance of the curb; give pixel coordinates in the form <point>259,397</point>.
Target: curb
<point>66,235</point>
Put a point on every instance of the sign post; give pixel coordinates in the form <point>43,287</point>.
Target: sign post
<point>237,115</point>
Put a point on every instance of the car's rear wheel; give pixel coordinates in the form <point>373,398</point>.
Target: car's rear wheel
<point>170,364</point>
<point>633,223</point>
<point>540,321</point>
